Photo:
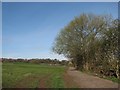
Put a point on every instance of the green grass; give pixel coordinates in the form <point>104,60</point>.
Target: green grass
<point>114,79</point>
<point>57,81</point>
<point>30,75</point>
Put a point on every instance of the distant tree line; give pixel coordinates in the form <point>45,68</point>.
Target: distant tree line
<point>37,61</point>
<point>91,43</point>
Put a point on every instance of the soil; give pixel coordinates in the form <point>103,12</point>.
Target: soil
<point>69,83</point>
<point>83,80</point>
<point>43,82</point>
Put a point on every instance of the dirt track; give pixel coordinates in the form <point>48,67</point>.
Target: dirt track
<point>87,81</point>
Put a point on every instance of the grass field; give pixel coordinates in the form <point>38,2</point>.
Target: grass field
<point>26,75</point>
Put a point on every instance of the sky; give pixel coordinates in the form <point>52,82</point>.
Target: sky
<point>29,29</point>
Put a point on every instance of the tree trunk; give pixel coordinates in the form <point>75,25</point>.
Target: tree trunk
<point>117,70</point>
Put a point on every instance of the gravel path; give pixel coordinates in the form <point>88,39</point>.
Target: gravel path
<point>89,81</point>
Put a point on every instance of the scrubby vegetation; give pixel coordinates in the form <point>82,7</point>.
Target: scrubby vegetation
<point>36,61</point>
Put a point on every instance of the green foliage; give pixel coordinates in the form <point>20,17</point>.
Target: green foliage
<point>91,42</point>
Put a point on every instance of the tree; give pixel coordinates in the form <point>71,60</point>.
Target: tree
<point>77,36</point>
<point>88,40</point>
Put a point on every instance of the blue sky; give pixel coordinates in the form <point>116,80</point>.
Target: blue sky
<point>29,29</point>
